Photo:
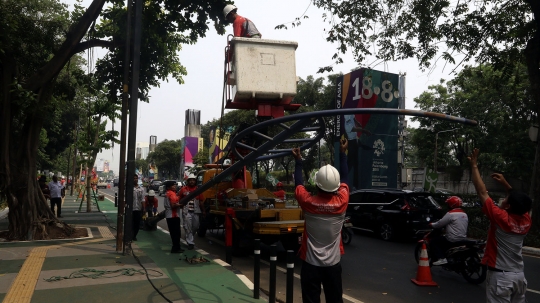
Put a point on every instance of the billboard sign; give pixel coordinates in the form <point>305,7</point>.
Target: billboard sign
<point>373,139</point>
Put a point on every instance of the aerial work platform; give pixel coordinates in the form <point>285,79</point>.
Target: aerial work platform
<point>261,75</point>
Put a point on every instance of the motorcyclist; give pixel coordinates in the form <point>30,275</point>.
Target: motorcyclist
<point>280,193</point>
<point>455,222</point>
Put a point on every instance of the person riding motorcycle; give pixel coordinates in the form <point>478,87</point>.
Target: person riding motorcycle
<point>456,222</point>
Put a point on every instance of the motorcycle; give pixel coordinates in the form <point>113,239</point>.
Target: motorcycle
<point>463,258</point>
<point>346,232</point>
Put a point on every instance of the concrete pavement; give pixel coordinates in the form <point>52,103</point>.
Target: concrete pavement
<point>90,270</point>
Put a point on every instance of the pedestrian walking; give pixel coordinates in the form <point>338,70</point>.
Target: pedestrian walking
<point>138,198</point>
<point>324,214</point>
<point>193,209</point>
<point>57,192</point>
<point>509,224</point>
<point>173,211</point>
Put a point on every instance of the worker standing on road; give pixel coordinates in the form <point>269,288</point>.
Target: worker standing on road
<point>192,210</point>
<point>509,224</point>
<point>173,211</point>
<point>243,27</point>
<point>280,193</point>
<point>324,214</point>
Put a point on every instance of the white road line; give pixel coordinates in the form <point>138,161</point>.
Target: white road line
<point>221,262</point>
<point>246,281</point>
<point>532,290</point>
<point>348,298</point>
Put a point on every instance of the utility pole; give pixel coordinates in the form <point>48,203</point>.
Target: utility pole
<point>123,130</point>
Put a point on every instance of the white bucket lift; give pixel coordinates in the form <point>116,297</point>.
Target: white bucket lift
<point>261,75</point>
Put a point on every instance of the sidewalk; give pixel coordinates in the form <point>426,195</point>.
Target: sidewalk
<point>25,267</point>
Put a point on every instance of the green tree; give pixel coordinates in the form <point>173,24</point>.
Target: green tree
<point>39,38</point>
<point>166,156</point>
<point>502,133</point>
<point>504,33</point>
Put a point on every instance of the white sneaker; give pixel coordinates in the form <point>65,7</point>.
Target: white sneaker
<point>440,262</point>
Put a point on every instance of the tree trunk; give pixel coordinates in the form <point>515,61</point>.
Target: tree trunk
<point>532,56</point>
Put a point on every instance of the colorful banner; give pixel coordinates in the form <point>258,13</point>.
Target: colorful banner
<point>189,148</point>
<point>373,148</point>
<point>219,143</point>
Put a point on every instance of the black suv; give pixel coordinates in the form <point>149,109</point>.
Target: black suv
<point>393,212</point>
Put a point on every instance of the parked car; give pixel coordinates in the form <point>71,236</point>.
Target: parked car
<point>115,182</point>
<point>155,185</point>
<point>393,212</point>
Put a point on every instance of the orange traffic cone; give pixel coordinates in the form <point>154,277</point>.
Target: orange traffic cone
<point>108,186</point>
<point>423,276</point>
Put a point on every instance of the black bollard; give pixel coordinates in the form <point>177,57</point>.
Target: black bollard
<point>115,199</point>
<point>273,261</point>
<point>257,268</point>
<point>290,276</point>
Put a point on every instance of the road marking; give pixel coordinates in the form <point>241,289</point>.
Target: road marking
<point>246,281</point>
<point>532,290</point>
<point>221,262</point>
<point>348,298</point>
<point>22,288</point>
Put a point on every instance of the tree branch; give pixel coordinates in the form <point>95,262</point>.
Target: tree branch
<point>62,56</point>
<point>81,47</point>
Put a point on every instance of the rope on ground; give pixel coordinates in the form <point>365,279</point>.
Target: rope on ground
<point>96,274</point>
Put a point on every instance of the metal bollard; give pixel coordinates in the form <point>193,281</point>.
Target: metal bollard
<point>273,261</point>
<point>290,276</point>
<point>115,199</point>
<point>257,268</point>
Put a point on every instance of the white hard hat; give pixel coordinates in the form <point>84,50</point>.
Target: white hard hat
<point>228,8</point>
<point>192,176</point>
<point>151,193</point>
<point>327,178</point>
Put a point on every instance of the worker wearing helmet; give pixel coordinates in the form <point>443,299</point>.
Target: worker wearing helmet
<point>455,222</point>
<point>150,203</point>
<point>324,213</point>
<point>192,210</point>
<point>243,27</point>
<point>280,193</point>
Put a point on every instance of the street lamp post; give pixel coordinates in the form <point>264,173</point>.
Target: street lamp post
<point>437,137</point>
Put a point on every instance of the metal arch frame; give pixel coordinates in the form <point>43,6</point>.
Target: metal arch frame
<point>304,119</point>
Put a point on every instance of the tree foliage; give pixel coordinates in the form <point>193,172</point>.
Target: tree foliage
<point>37,41</point>
<point>166,156</point>
<point>502,133</point>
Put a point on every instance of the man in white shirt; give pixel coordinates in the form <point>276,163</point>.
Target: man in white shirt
<point>57,192</point>
<point>138,198</point>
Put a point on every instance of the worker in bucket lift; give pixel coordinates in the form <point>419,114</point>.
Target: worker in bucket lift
<point>192,210</point>
<point>243,27</point>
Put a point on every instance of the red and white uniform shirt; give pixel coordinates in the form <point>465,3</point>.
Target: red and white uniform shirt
<point>505,238</point>
<point>194,204</point>
<point>321,245</point>
<point>171,199</point>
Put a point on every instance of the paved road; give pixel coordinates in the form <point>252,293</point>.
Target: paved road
<point>375,271</point>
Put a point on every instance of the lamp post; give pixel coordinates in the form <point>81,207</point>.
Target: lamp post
<point>437,137</point>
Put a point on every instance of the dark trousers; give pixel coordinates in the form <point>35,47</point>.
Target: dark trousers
<point>311,278</point>
<point>174,230</point>
<point>438,246</point>
<point>58,203</point>
<point>136,220</point>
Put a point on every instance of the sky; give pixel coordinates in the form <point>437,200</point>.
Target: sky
<point>164,115</point>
